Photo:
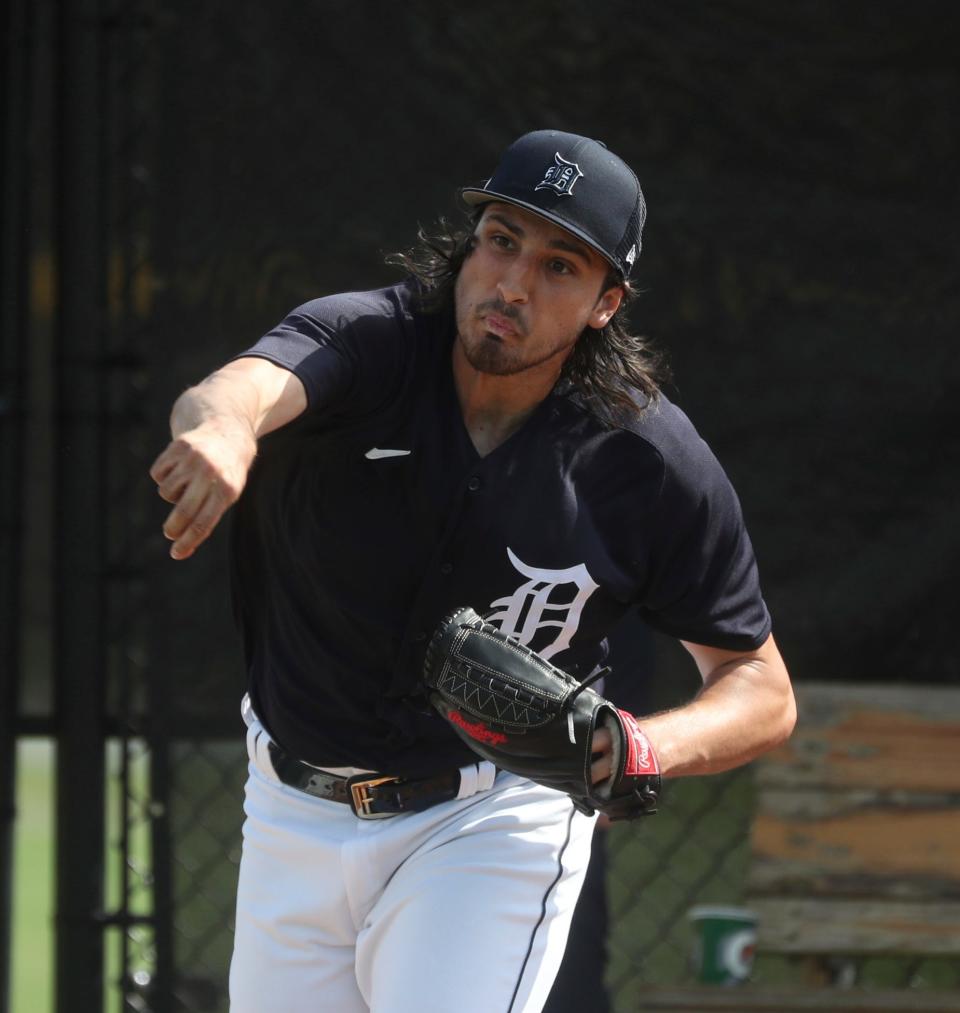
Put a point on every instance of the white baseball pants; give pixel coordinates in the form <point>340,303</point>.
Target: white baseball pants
<point>464,908</point>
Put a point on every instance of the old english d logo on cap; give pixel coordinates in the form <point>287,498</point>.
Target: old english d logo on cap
<point>560,176</point>
<point>542,169</point>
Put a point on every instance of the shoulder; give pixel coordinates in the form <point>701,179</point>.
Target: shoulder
<point>350,350</point>
<point>667,430</point>
<point>372,333</point>
<point>691,478</point>
<point>392,305</point>
<point>658,430</point>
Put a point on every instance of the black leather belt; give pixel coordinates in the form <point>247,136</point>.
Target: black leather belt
<point>370,796</point>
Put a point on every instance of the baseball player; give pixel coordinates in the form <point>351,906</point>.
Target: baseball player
<point>452,488</point>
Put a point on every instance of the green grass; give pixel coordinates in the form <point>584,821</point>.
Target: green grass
<point>33,895</point>
<point>32,957</point>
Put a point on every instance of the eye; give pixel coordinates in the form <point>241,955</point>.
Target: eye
<point>501,240</point>
<point>560,267</point>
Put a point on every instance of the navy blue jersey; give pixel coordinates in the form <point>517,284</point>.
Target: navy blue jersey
<point>372,515</point>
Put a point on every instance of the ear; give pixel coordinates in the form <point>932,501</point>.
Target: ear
<point>607,305</point>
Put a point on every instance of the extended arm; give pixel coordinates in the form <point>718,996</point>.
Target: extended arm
<point>744,709</point>
<point>214,428</point>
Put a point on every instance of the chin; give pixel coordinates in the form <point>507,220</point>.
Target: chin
<point>490,355</point>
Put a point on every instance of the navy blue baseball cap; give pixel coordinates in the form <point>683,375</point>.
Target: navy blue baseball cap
<point>576,183</point>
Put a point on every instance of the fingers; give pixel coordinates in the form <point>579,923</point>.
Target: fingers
<point>189,503</point>
<point>602,747</point>
<point>199,478</point>
<point>171,471</point>
<point>600,770</point>
<point>187,528</point>
<point>165,463</point>
<point>602,741</point>
<point>172,484</point>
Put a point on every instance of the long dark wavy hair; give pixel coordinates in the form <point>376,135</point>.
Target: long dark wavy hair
<point>615,371</point>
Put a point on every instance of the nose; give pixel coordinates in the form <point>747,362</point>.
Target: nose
<point>514,284</point>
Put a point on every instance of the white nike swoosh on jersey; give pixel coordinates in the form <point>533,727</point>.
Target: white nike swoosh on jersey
<point>375,453</point>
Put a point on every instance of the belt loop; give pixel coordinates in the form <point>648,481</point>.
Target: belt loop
<point>252,743</point>
<point>476,777</point>
<point>264,762</point>
<point>487,775</point>
<point>258,742</point>
<point>246,710</point>
<point>468,781</point>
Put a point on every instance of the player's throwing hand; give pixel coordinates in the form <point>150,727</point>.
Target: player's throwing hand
<point>214,428</point>
<point>202,471</point>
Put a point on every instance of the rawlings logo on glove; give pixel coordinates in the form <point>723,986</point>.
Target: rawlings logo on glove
<point>478,731</point>
<point>641,758</point>
<point>523,714</point>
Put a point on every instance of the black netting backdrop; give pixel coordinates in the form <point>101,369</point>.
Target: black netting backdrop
<point>799,166</point>
<point>797,262</point>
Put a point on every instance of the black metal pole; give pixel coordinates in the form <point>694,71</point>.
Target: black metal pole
<point>13,334</point>
<point>163,912</point>
<point>80,655</point>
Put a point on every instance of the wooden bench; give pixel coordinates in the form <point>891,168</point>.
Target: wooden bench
<point>855,850</point>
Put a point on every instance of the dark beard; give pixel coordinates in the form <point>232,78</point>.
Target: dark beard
<point>492,357</point>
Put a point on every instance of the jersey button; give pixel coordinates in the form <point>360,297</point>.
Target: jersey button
<point>446,569</point>
<point>474,484</point>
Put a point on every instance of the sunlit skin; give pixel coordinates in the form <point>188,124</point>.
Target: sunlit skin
<point>524,295</point>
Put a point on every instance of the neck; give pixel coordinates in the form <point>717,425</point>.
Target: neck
<point>495,407</point>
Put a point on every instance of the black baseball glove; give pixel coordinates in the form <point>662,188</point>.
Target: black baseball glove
<point>523,714</point>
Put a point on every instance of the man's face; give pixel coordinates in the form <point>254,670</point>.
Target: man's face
<point>526,292</point>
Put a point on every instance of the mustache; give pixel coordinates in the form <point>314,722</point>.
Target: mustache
<point>503,309</point>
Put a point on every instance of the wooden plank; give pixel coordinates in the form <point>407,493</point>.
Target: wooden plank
<point>878,737</point>
<point>811,843</point>
<point>792,925</point>
<point>753,999</point>
<point>855,841</point>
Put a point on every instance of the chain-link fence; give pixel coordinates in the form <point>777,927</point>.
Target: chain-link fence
<point>694,851</point>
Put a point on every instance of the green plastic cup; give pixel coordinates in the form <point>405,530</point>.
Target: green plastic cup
<point>725,944</point>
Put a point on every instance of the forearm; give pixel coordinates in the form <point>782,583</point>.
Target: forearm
<point>744,709</point>
<point>226,404</point>
<point>214,428</point>
<point>247,397</point>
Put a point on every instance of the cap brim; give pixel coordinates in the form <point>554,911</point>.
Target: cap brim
<point>475,198</point>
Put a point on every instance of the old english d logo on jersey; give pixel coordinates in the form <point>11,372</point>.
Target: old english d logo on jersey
<point>549,600</point>
<point>560,176</point>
